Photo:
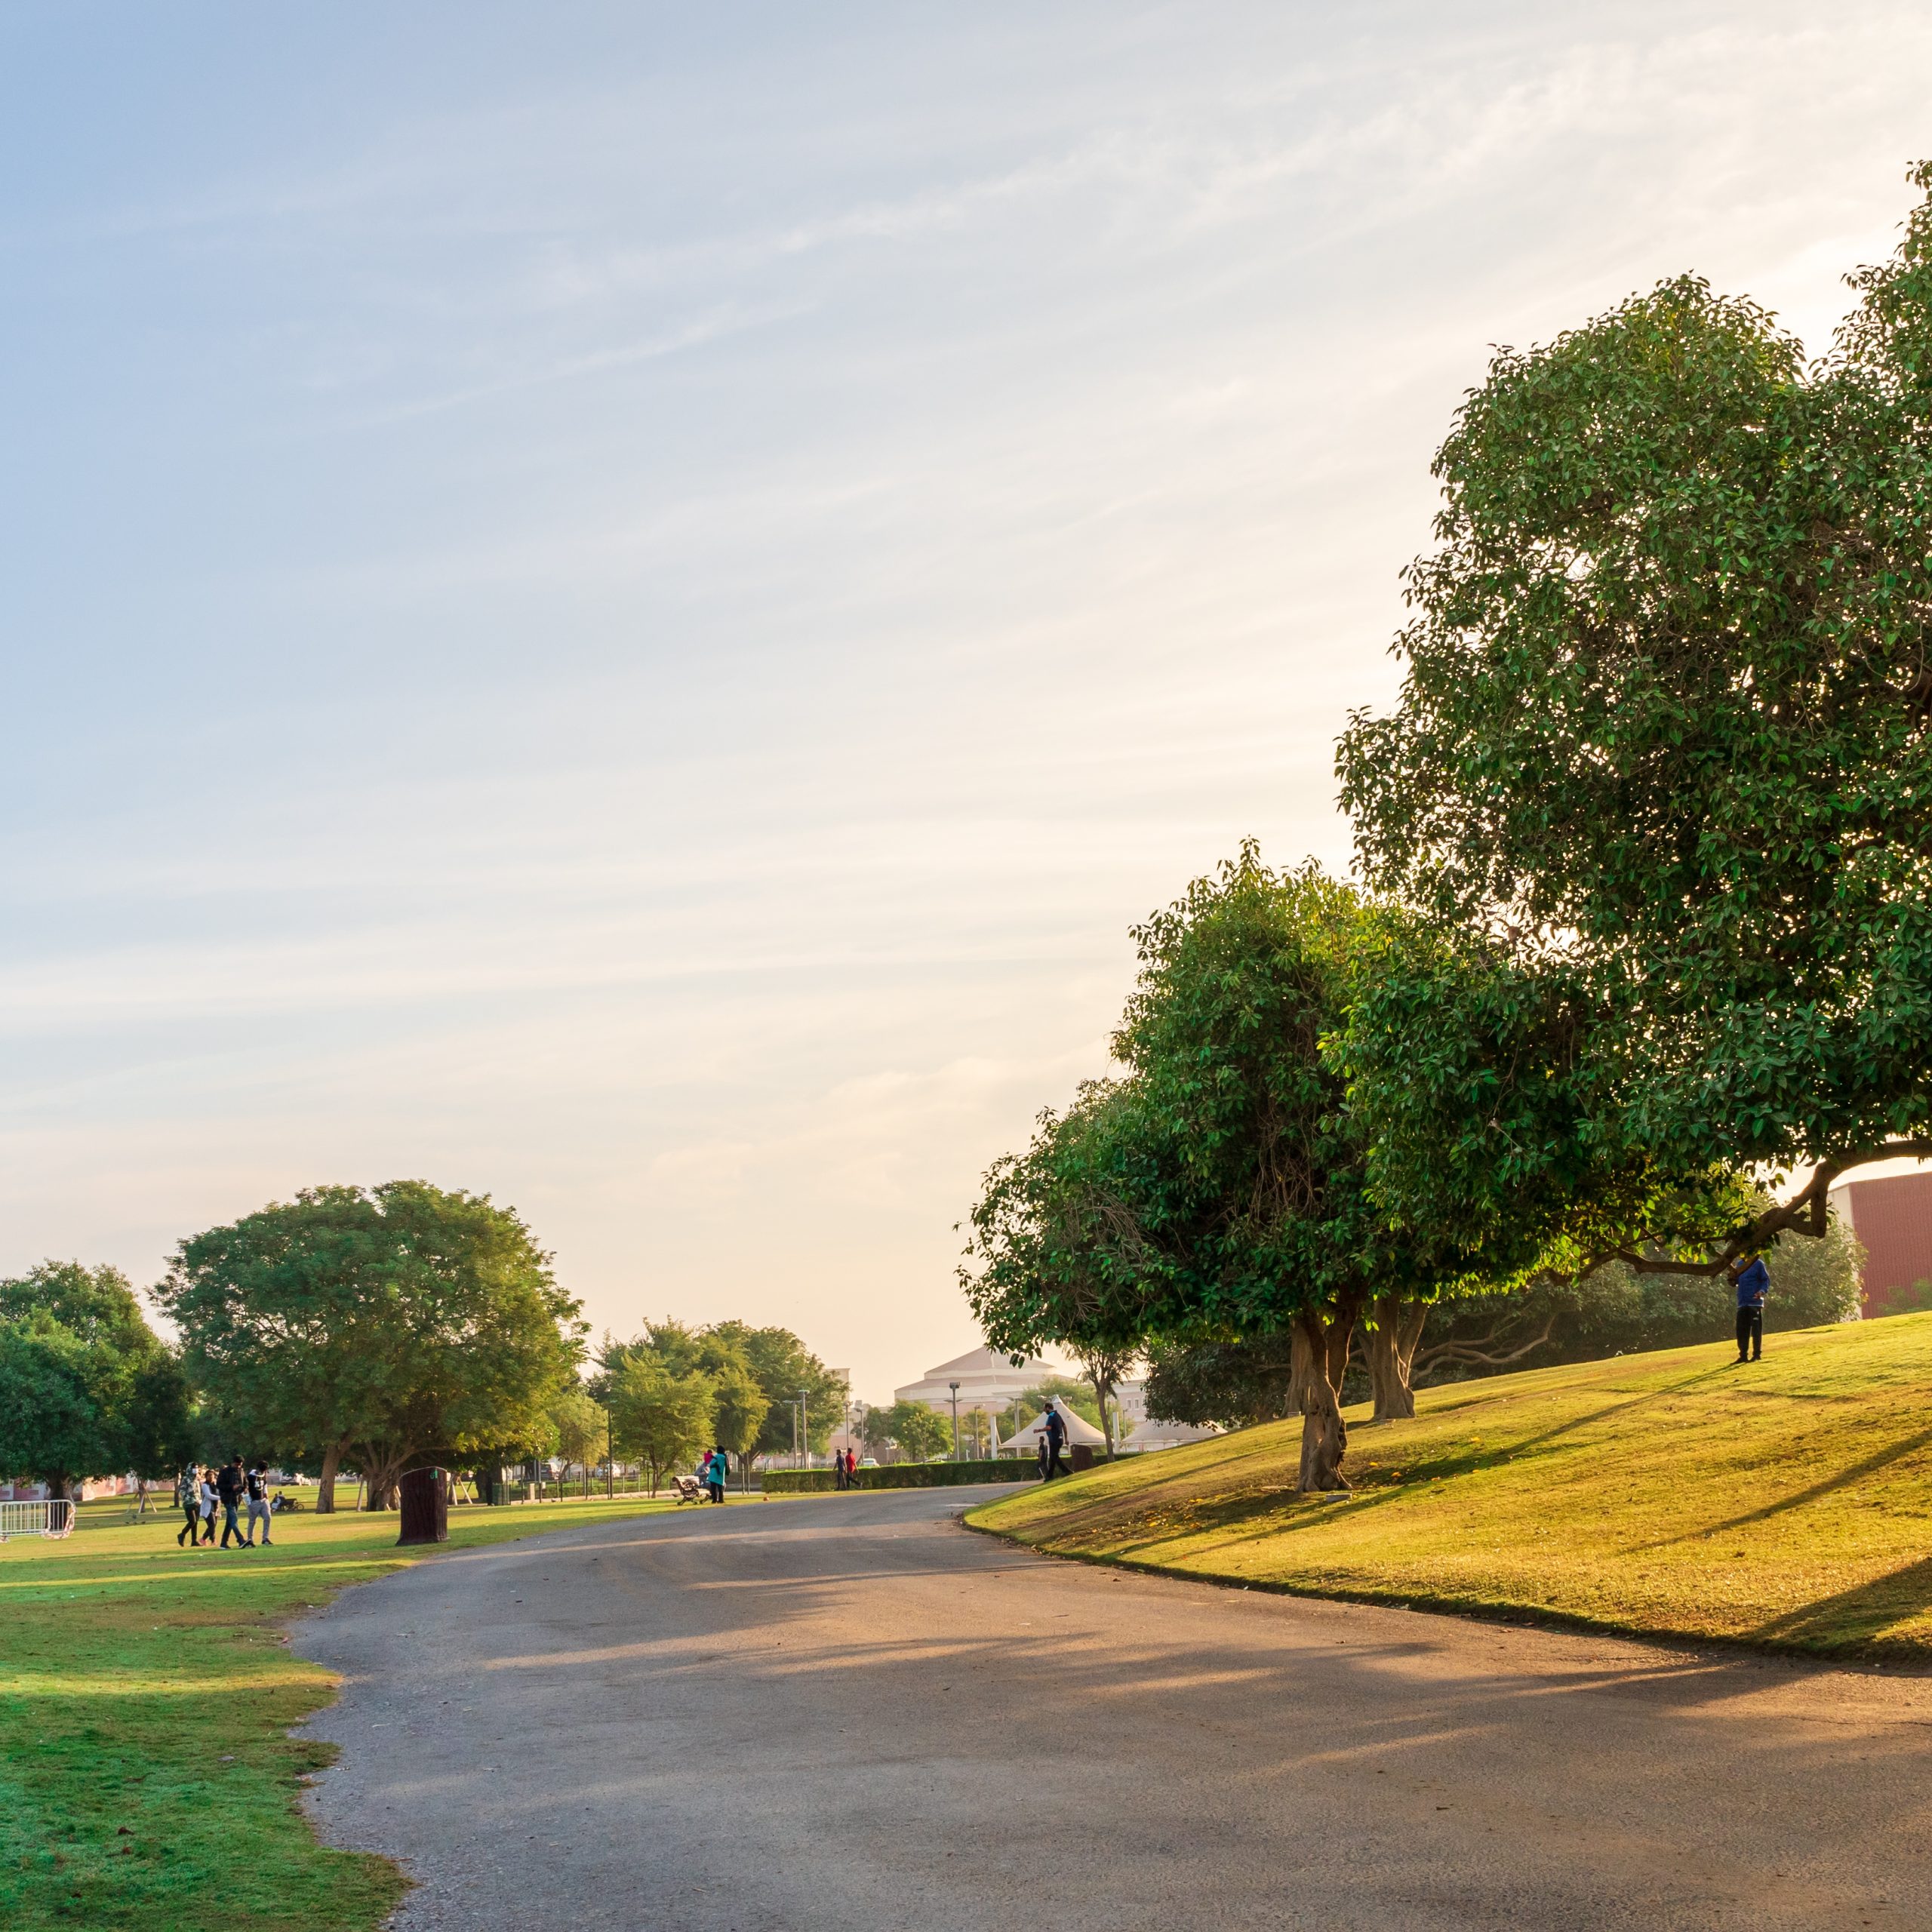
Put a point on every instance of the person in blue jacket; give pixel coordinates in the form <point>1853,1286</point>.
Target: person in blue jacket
<point>1751,1278</point>
<point>720,1467</point>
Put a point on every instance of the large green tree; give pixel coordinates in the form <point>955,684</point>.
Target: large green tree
<point>377,1326</point>
<point>1664,749</point>
<point>1219,1192</point>
<point>87,1388</point>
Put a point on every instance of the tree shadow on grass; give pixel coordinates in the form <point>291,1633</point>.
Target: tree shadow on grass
<point>1858,1618</point>
<point>1881,1458</point>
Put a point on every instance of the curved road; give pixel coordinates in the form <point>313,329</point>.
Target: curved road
<point>847,1714</point>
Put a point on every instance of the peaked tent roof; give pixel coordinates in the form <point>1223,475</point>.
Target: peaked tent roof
<point>1078,1429</point>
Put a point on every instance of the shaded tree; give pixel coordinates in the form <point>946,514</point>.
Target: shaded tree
<point>385,1324</point>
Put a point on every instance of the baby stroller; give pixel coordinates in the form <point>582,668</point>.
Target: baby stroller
<point>690,1489</point>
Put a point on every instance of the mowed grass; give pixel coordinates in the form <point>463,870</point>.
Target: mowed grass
<point>1787,1504</point>
<point>146,1778</point>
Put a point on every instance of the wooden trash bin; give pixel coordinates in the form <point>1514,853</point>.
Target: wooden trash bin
<point>1082,1454</point>
<point>424,1495</point>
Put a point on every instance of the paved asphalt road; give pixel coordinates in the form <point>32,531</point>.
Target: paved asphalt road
<point>847,1714</point>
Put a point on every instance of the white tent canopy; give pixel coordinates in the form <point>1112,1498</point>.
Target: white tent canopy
<point>1078,1429</point>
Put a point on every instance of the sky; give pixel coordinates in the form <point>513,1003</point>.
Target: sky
<point>622,606</point>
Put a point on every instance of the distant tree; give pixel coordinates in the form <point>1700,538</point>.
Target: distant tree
<point>383,1324</point>
<point>782,1365</point>
<point>1105,1370</point>
<point>740,1406</point>
<point>577,1428</point>
<point>659,1418</point>
<point>917,1433</point>
<point>87,1388</point>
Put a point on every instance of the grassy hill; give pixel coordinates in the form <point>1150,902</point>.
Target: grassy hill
<point>1787,1504</point>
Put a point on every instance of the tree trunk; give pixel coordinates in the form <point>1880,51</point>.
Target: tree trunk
<point>1321,1356</point>
<point>1391,1354</point>
<point>325,1487</point>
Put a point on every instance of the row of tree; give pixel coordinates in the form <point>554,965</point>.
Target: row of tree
<point>1639,959</point>
<point>376,1329</point>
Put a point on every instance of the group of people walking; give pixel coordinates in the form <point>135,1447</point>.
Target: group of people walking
<point>844,1469</point>
<point>200,1493</point>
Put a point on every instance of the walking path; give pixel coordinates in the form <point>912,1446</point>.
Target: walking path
<point>847,1714</point>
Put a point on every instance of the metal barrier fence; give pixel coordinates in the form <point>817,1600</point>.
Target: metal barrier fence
<point>52,1518</point>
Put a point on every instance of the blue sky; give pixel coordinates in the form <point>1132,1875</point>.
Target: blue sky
<point>620,605</point>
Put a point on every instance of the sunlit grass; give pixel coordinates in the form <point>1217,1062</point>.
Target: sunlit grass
<point>147,1779</point>
<point>1786,1504</point>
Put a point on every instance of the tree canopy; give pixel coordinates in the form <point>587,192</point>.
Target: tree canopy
<point>1665,736</point>
<point>782,1365</point>
<point>87,1388</point>
<point>382,1324</point>
<point>1219,1191</point>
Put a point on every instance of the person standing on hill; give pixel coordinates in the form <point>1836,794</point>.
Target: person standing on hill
<point>1751,1278</point>
<point>1053,1426</point>
<point>257,1484</point>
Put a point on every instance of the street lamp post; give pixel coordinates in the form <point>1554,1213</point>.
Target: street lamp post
<point>955,1387</point>
<point>805,1427</point>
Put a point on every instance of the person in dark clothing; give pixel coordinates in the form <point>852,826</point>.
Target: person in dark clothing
<point>188,1494</point>
<point>838,1469</point>
<point>259,1509</point>
<point>1054,1429</point>
<point>1751,1278</point>
<point>228,1490</point>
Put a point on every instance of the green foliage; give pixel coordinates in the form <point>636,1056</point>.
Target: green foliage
<point>391,1323</point>
<point>911,1428</point>
<point>1231,1383</point>
<point>782,1365</point>
<point>1665,738</point>
<point>575,1430</point>
<point>86,1387</point>
<point>659,1417</point>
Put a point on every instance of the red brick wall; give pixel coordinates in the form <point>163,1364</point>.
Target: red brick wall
<point>1892,1218</point>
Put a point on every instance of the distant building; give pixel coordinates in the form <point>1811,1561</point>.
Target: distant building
<point>987,1380</point>
<point>1892,1217</point>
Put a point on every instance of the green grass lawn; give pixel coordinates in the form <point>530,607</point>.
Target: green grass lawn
<point>1787,1504</point>
<point>146,1778</point>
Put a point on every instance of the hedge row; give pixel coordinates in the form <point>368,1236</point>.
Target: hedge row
<point>906,1475</point>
